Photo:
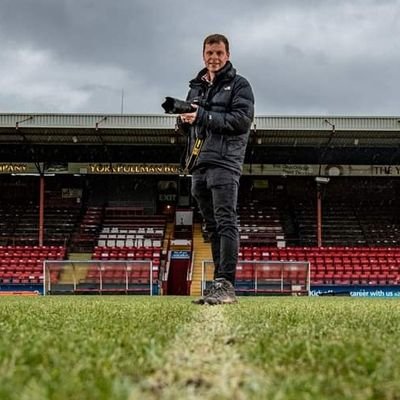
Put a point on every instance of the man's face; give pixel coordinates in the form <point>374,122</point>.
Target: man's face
<point>215,56</point>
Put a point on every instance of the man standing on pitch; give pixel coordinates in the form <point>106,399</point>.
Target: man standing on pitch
<point>224,104</point>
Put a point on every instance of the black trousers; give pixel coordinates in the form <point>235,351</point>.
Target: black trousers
<point>216,190</point>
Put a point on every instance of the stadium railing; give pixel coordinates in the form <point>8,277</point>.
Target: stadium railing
<point>265,277</point>
<point>101,277</point>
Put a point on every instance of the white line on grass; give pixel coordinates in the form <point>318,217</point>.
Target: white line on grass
<point>202,363</point>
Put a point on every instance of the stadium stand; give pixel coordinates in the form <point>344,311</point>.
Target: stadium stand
<point>24,264</point>
<point>101,204</point>
<point>336,265</point>
<point>128,227</point>
<point>340,224</point>
<point>260,225</point>
<point>128,234</point>
<point>128,253</point>
<point>379,221</point>
<point>86,234</point>
<point>21,225</point>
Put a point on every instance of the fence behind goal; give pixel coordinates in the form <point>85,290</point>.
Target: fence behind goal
<point>100,277</point>
<point>266,277</point>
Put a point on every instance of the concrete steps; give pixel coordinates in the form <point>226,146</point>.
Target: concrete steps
<point>202,252</point>
<point>67,275</point>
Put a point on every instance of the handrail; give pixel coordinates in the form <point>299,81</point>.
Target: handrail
<point>190,269</point>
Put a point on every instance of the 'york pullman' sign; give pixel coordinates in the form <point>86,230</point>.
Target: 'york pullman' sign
<point>13,168</point>
<point>132,169</point>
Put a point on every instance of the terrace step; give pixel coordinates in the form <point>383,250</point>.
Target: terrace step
<point>202,252</point>
<point>67,276</point>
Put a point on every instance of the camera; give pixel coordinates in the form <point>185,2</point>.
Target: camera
<point>176,106</point>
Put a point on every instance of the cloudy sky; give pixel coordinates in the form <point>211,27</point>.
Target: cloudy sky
<point>322,57</point>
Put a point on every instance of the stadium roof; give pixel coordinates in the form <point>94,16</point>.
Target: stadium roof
<point>287,131</point>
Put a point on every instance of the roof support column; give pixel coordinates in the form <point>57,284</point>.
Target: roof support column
<point>41,209</point>
<point>319,215</point>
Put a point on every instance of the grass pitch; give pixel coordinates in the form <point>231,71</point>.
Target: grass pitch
<point>164,347</point>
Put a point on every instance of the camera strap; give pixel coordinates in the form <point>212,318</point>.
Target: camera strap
<point>192,157</point>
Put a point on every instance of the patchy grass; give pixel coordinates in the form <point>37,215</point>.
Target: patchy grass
<point>321,348</point>
<point>83,347</point>
<point>127,347</point>
<point>202,363</point>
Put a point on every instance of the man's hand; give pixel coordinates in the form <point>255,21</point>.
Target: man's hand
<point>189,118</point>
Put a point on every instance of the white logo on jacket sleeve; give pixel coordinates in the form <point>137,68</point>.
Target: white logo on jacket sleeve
<point>227,88</point>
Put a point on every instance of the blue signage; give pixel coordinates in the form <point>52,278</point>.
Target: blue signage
<point>180,254</point>
<point>356,291</point>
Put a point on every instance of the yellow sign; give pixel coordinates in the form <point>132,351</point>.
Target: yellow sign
<point>132,169</point>
<point>13,168</point>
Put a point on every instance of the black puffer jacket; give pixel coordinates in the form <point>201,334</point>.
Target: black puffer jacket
<point>224,118</point>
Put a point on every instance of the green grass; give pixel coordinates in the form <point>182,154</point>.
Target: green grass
<point>103,347</point>
<point>83,347</point>
<point>320,348</point>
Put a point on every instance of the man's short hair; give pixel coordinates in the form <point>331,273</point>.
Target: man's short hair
<point>216,38</point>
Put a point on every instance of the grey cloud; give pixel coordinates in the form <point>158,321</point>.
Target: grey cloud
<point>310,56</point>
